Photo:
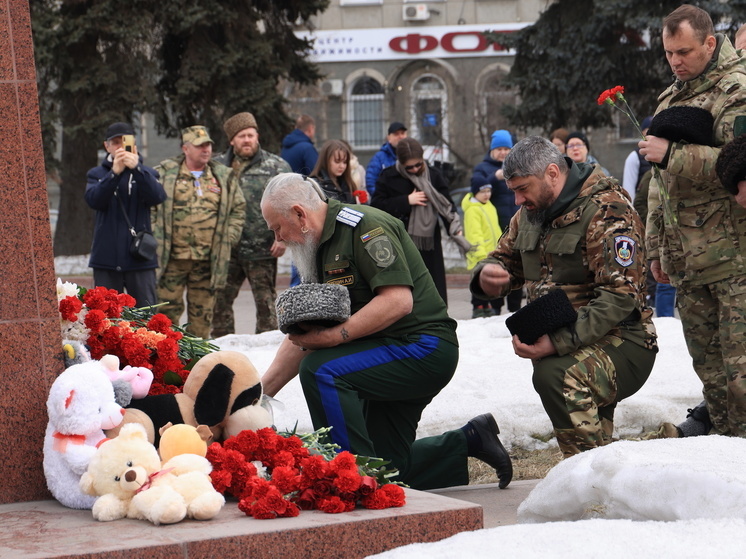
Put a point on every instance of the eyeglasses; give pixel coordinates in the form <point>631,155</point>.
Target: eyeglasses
<point>573,146</point>
<point>413,167</point>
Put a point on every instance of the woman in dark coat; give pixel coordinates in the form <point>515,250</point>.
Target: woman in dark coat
<point>402,190</point>
<point>332,171</point>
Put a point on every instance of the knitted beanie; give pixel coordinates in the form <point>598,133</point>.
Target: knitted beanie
<point>582,137</point>
<point>542,316</point>
<point>501,139</point>
<point>476,188</point>
<point>322,304</point>
<point>683,124</point>
<point>731,164</point>
<point>239,122</point>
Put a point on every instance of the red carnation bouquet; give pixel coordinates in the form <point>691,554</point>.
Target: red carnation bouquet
<point>615,98</point>
<point>279,474</point>
<point>108,324</point>
<point>361,196</point>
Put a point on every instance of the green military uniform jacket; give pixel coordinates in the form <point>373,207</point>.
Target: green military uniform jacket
<point>229,223</point>
<point>253,175</point>
<point>594,251</point>
<point>695,227</point>
<point>364,248</point>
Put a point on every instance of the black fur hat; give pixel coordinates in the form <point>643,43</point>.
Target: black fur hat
<point>542,316</point>
<point>684,124</point>
<point>731,164</point>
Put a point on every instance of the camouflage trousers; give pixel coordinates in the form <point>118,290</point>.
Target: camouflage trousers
<point>195,276</point>
<point>580,391</point>
<point>262,275</point>
<point>714,320</point>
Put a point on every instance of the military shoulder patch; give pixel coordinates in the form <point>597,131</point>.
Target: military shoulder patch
<point>381,250</point>
<point>365,237</point>
<point>350,217</point>
<point>624,250</point>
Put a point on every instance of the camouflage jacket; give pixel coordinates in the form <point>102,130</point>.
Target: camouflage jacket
<point>594,251</point>
<point>230,218</point>
<point>695,227</point>
<point>256,239</point>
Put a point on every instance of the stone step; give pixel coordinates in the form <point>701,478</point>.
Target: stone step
<point>47,529</point>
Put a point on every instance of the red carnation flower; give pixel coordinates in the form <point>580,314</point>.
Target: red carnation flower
<point>160,323</point>
<point>347,481</point>
<point>221,480</point>
<point>376,500</point>
<point>95,321</point>
<point>395,494</point>
<point>70,307</point>
<point>345,460</point>
<point>331,505</point>
<point>286,479</point>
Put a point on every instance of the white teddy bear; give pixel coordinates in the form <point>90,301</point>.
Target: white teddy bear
<point>127,476</point>
<point>80,406</point>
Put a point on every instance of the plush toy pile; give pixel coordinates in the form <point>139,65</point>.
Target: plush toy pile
<point>126,475</point>
<point>223,391</point>
<point>155,464</point>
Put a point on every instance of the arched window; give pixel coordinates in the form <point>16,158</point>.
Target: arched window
<point>430,115</point>
<point>365,126</point>
<point>493,96</point>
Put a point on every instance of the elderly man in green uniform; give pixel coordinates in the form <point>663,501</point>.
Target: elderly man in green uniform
<point>255,257</point>
<point>696,229</point>
<point>575,231</point>
<point>370,377</point>
<point>196,226</point>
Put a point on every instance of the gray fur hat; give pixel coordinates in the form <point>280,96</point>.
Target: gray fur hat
<point>323,304</point>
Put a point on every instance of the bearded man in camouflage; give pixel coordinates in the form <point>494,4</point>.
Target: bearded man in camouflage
<point>196,227</point>
<point>696,230</point>
<point>575,230</point>
<point>255,256</point>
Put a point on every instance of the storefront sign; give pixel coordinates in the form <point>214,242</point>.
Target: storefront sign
<point>396,43</point>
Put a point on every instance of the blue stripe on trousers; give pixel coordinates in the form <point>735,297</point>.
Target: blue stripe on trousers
<point>354,363</point>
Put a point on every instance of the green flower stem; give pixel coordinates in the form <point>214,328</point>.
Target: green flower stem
<point>668,212</point>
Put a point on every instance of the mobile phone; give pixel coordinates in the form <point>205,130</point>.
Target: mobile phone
<point>128,142</point>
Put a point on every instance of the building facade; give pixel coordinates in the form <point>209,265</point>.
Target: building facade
<point>426,64</point>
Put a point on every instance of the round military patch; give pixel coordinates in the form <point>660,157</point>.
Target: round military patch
<point>624,250</point>
<point>381,250</point>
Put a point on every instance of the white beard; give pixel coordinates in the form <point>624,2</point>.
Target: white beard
<point>304,258</point>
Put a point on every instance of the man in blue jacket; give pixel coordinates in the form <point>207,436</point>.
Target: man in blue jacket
<point>385,157</point>
<point>297,147</point>
<point>122,182</point>
<point>490,171</point>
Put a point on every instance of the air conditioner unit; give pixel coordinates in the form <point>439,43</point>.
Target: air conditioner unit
<point>415,12</point>
<point>332,88</point>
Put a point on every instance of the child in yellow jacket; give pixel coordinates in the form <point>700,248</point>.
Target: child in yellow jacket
<point>482,230</point>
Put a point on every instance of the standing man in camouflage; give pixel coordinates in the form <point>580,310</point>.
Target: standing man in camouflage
<point>576,231</point>
<point>196,227</point>
<point>257,252</point>
<point>696,231</point>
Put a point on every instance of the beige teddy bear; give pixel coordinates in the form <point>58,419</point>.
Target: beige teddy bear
<point>127,476</point>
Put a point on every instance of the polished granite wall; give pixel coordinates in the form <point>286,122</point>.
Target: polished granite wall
<point>30,345</point>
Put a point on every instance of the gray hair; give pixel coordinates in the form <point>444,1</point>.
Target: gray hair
<point>530,158</point>
<point>285,190</point>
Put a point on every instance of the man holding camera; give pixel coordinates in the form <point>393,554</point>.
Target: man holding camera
<point>196,228</point>
<point>122,189</point>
